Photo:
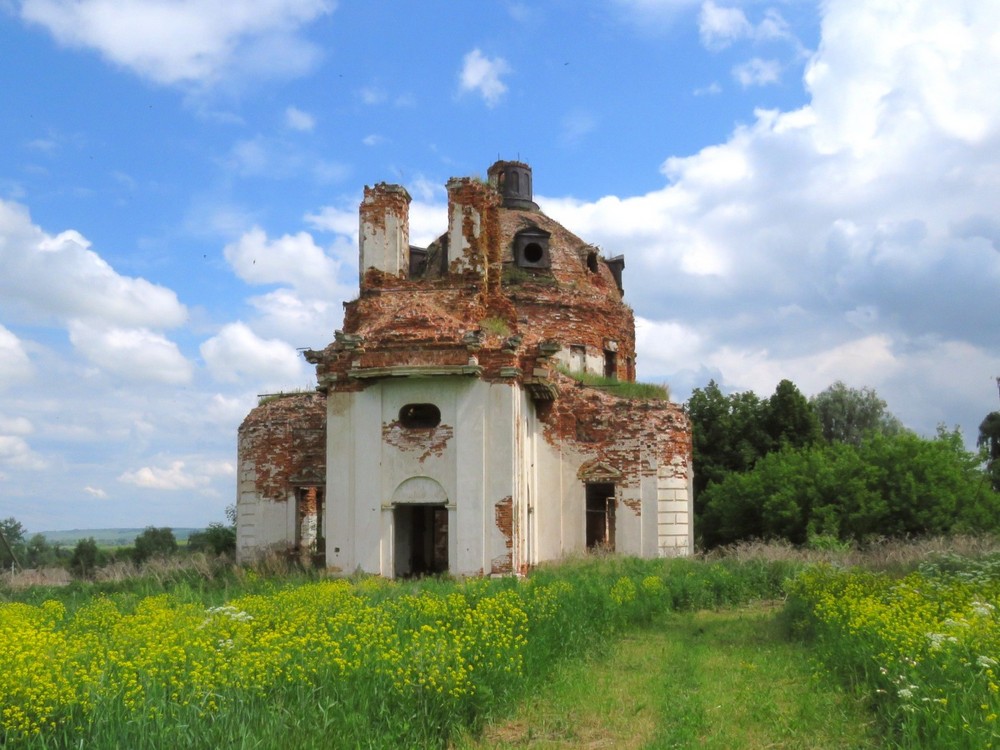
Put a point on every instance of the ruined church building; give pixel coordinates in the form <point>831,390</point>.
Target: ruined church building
<point>450,430</point>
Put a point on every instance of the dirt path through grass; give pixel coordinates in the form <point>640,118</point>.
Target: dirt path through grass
<point>726,680</point>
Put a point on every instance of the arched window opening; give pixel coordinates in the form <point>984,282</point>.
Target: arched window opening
<point>592,261</point>
<point>417,416</point>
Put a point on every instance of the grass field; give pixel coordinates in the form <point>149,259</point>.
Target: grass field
<point>708,679</point>
<point>600,652</point>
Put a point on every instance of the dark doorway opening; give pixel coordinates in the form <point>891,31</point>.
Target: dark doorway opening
<point>601,516</point>
<point>421,540</point>
<point>610,364</point>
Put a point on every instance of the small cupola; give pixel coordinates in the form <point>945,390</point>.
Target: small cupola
<point>512,179</point>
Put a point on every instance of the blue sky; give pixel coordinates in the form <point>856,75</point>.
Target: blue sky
<point>802,190</point>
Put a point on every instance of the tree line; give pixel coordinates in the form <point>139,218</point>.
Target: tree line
<point>837,467</point>
<point>86,556</point>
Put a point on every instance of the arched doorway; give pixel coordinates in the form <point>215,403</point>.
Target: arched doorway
<point>420,528</point>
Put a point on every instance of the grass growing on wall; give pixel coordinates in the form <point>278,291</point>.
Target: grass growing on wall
<point>623,388</point>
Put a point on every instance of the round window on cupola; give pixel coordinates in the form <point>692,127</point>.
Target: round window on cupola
<point>531,249</point>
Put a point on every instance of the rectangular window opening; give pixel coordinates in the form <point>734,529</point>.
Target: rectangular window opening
<point>601,516</point>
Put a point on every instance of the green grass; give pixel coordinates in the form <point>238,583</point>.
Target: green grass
<point>709,679</point>
<point>623,388</point>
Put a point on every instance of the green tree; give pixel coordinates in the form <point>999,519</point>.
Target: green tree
<point>217,539</point>
<point>86,558</point>
<point>989,441</point>
<point>152,542</point>
<point>727,432</point>
<point>789,419</point>
<point>38,553</point>
<point>13,533</point>
<point>847,415</point>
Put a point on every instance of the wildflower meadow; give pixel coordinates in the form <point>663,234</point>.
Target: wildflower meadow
<point>277,662</point>
<point>924,648</point>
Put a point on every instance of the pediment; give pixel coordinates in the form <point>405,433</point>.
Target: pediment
<point>598,471</point>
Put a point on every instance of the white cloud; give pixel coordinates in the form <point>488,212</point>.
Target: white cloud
<point>335,219</point>
<point>15,425</point>
<point>482,75</point>
<point>296,119</point>
<point>718,27</point>
<point>14,363</point>
<point>290,259</point>
<point>59,276</point>
<point>177,475</point>
<point>236,352</point>
<point>373,139</point>
<point>16,453</point>
<point>133,353</point>
<point>186,41</point>
<point>96,492</point>
<point>757,72</point>
<point>845,239</point>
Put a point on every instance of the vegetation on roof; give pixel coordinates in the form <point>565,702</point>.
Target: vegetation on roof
<point>266,398</point>
<point>622,388</point>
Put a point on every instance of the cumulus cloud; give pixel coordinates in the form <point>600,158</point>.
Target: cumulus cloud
<point>133,353</point>
<point>297,119</point>
<point>290,259</point>
<point>482,75</point>
<point>186,41</point>
<point>177,475</point>
<point>96,492</point>
<point>847,239</point>
<point>236,352</point>
<point>59,276</point>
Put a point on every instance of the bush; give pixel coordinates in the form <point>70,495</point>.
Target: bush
<point>889,485</point>
<point>153,541</point>
<point>217,539</point>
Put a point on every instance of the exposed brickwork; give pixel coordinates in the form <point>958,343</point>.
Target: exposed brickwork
<point>504,510</point>
<point>285,439</point>
<point>430,441</point>
<point>632,437</point>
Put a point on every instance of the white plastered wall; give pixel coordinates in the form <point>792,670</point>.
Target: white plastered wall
<point>475,466</point>
<point>261,524</point>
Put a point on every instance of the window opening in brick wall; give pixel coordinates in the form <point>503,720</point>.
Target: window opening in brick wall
<point>592,261</point>
<point>310,515</point>
<point>417,416</point>
<point>577,358</point>
<point>601,516</point>
<point>610,364</point>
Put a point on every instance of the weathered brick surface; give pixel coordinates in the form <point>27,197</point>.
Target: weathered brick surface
<point>285,439</point>
<point>504,512</point>
<point>428,441</point>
